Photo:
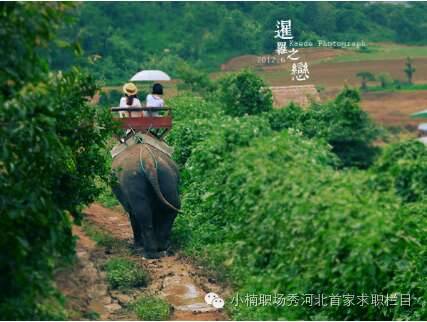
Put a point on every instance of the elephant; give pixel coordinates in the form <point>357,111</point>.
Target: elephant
<point>147,187</point>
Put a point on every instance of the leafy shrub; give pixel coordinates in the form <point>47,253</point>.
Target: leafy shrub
<point>385,80</point>
<point>342,123</point>
<point>110,98</point>
<point>123,273</point>
<point>270,212</point>
<point>225,136</point>
<point>403,167</point>
<point>276,217</point>
<point>52,149</point>
<point>52,153</point>
<point>346,127</point>
<point>194,119</point>
<point>150,308</point>
<point>285,118</point>
<point>106,196</point>
<point>188,107</point>
<point>194,80</point>
<point>208,122</point>
<point>244,93</point>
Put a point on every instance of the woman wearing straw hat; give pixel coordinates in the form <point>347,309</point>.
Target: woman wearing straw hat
<point>130,100</point>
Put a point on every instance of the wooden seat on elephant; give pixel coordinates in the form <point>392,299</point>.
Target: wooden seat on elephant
<point>146,123</point>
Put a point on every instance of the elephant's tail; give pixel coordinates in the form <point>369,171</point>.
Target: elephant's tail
<point>150,170</point>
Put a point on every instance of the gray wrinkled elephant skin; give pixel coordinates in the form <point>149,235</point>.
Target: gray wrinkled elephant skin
<point>147,188</point>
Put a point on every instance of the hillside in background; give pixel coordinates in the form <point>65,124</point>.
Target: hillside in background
<point>120,38</point>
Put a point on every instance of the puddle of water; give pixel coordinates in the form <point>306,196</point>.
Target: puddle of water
<point>184,296</point>
<point>171,276</point>
<point>191,291</point>
<point>197,307</point>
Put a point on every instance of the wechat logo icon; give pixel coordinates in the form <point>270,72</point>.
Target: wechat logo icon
<point>214,300</point>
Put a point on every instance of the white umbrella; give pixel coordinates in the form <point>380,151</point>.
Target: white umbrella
<point>150,75</point>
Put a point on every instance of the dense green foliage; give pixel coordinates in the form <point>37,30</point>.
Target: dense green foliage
<point>341,122</point>
<point>151,308</point>
<point>245,93</point>
<point>52,149</point>
<point>365,77</point>
<point>266,208</point>
<point>403,166</point>
<point>194,80</point>
<point>264,201</point>
<point>123,273</point>
<point>20,62</point>
<point>121,38</point>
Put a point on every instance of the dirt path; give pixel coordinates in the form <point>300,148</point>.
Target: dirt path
<point>172,277</point>
<point>85,287</point>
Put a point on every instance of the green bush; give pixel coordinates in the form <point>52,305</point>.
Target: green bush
<point>276,217</point>
<point>269,211</point>
<point>403,167</point>
<point>52,150</point>
<point>194,119</point>
<point>244,93</point>
<point>346,127</point>
<point>341,122</point>
<point>194,80</point>
<point>150,308</point>
<point>110,98</point>
<point>106,196</point>
<point>123,273</point>
<point>290,116</point>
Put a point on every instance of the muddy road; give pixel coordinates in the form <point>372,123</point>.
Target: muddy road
<point>173,278</point>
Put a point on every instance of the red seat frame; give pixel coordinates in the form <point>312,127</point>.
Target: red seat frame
<point>145,123</point>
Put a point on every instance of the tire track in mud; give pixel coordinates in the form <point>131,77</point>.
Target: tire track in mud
<point>173,278</point>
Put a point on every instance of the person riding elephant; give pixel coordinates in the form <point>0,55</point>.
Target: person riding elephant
<point>130,100</point>
<point>147,188</point>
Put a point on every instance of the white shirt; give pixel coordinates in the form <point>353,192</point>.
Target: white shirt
<point>153,101</point>
<point>136,103</point>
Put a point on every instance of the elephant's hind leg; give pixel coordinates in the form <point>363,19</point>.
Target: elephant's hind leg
<point>143,215</point>
<point>164,228</point>
<point>137,236</point>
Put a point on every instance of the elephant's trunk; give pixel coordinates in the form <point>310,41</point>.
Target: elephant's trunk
<point>150,170</point>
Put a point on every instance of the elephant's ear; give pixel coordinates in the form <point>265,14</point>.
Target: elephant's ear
<point>148,163</point>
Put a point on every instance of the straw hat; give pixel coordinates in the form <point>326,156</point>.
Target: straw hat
<point>130,89</point>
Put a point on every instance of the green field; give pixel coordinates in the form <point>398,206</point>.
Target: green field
<point>382,51</point>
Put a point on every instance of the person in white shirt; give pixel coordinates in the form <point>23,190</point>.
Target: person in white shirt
<point>155,99</point>
<point>130,100</point>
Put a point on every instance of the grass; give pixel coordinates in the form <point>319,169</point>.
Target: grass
<point>382,51</point>
<point>106,197</point>
<point>91,315</point>
<point>103,239</point>
<point>151,308</point>
<point>123,273</point>
<point>402,87</point>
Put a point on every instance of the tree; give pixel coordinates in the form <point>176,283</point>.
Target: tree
<point>384,79</point>
<point>245,93</point>
<point>365,78</point>
<point>409,69</point>
<point>320,16</point>
<point>194,80</point>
